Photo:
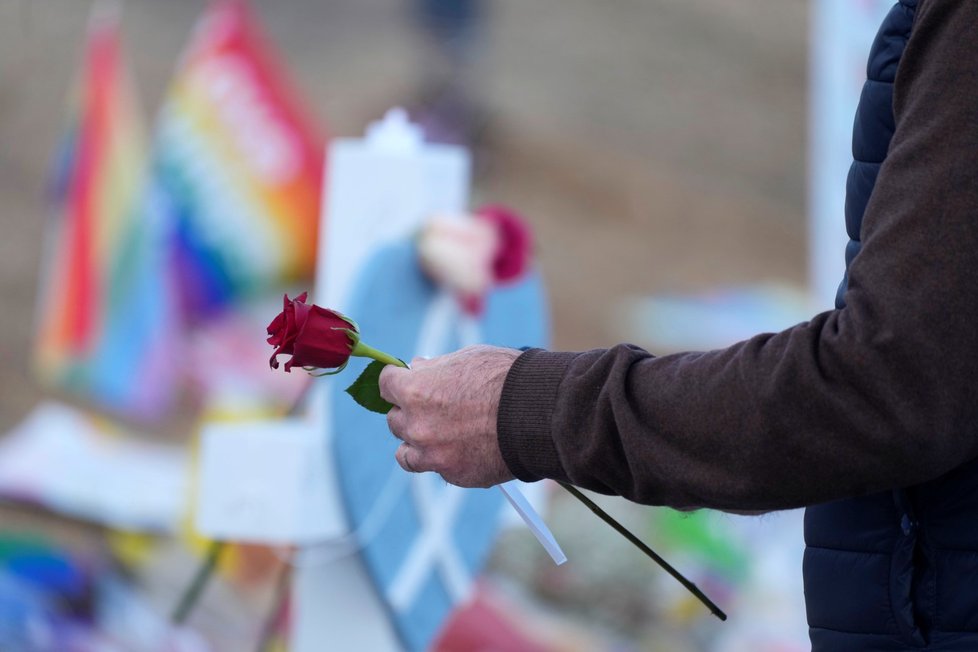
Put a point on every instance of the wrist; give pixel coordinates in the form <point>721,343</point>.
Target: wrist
<point>525,415</point>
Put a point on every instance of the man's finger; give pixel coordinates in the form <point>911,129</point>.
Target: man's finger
<point>397,423</point>
<point>420,361</point>
<point>391,383</point>
<point>407,457</point>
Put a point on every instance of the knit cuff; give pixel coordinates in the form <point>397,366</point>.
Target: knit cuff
<point>526,409</point>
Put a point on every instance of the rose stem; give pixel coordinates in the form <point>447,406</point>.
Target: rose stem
<point>604,516</point>
<point>192,594</point>
<point>362,350</point>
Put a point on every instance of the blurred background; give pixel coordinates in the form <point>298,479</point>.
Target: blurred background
<point>657,148</point>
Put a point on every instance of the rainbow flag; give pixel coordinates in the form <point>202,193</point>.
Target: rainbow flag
<point>104,313</point>
<point>227,207</point>
<point>238,165</point>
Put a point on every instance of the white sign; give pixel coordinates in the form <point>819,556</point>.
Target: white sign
<point>262,482</point>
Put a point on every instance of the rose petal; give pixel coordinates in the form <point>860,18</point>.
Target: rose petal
<point>276,325</point>
<point>322,342</point>
<point>283,329</point>
<point>300,314</point>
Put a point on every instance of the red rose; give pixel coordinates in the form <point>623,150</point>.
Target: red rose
<point>313,336</point>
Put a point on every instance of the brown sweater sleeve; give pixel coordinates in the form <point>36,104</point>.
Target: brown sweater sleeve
<point>882,393</point>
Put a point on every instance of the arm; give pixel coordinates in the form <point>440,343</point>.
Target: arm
<point>879,394</point>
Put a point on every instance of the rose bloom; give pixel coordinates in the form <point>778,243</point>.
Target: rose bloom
<point>313,336</point>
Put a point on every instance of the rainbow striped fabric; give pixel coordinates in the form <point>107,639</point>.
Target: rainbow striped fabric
<point>105,310</point>
<point>239,164</point>
<point>138,254</point>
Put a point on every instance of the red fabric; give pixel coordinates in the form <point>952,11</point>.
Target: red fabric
<point>480,626</point>
<point>82,292</point>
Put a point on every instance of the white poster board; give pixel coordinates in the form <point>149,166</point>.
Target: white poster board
<point>378,189</point>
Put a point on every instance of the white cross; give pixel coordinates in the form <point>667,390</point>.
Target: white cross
<point>435,546</point>
<point>437,509</point>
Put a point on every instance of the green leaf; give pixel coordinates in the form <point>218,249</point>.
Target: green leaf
<point>365,390</point>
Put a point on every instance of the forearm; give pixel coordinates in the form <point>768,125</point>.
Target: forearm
<point>779,421</point>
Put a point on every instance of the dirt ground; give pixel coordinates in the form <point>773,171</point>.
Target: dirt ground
<point>655,145</point>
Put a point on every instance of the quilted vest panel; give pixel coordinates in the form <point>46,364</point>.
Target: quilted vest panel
<point>896,570</point>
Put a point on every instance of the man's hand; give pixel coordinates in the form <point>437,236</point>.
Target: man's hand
<point>445,413</point>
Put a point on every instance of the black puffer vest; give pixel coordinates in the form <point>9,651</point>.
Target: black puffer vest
<point>896,570</point>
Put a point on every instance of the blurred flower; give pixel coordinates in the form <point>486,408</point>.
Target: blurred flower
<point>514,245</point>
<point>458,254</point>
<point>470,256</point>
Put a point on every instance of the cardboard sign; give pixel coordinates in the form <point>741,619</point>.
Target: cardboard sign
<point>262,482</point>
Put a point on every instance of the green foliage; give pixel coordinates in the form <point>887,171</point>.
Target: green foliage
<point>365,390</point>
